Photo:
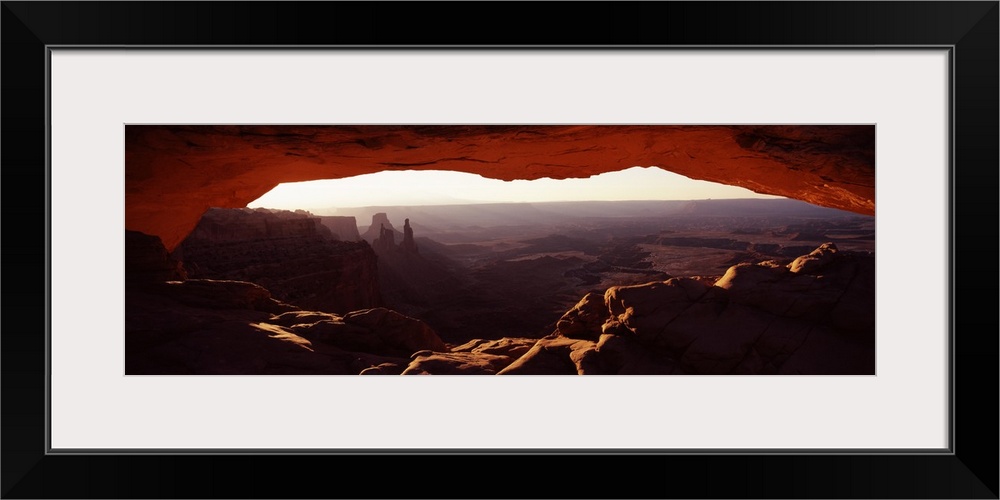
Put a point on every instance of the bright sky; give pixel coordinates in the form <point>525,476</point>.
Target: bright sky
<point>436,187</point>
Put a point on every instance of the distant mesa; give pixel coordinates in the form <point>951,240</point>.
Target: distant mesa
<point>344,228</point>
<point>374,231</point>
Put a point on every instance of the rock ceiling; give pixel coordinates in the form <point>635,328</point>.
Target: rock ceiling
<point>174,173</point>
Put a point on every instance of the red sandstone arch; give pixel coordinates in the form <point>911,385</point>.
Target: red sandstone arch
<point>174,173</point>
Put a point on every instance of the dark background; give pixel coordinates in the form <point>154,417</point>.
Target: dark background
<point>971,472</point>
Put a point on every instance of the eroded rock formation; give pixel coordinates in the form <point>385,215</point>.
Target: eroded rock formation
<point>174,173</point>
<point>291,254</point>
<point>205,327</point>
<point>385,244</point>
<point>814,315</point>
<point>408,245</point>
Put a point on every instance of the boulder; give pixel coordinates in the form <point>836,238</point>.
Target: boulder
<point>815,260</point>
<point>584,320</point>
<point>552,355</point>
<point>396,330</point>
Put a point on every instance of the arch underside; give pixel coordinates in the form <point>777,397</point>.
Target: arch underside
<point>174,173</point>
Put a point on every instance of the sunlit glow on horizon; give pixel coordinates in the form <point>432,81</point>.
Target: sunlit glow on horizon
<point>437,187</point>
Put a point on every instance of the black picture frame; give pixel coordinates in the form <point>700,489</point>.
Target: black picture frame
<point>970,29</point>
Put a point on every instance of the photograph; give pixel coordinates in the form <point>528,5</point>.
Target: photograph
<point>500,250</point>
<point>229,210</point>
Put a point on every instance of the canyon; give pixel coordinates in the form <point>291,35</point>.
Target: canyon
<point>688,288</point>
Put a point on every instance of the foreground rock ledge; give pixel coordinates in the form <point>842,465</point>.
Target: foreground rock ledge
<point>814,314</point>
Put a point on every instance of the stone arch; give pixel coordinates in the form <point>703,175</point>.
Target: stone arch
<point>174,173</point>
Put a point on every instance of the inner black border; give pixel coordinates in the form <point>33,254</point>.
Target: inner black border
<point>970,28</point>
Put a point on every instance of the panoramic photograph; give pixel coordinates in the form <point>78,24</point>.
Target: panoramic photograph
<point>499,250</point>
